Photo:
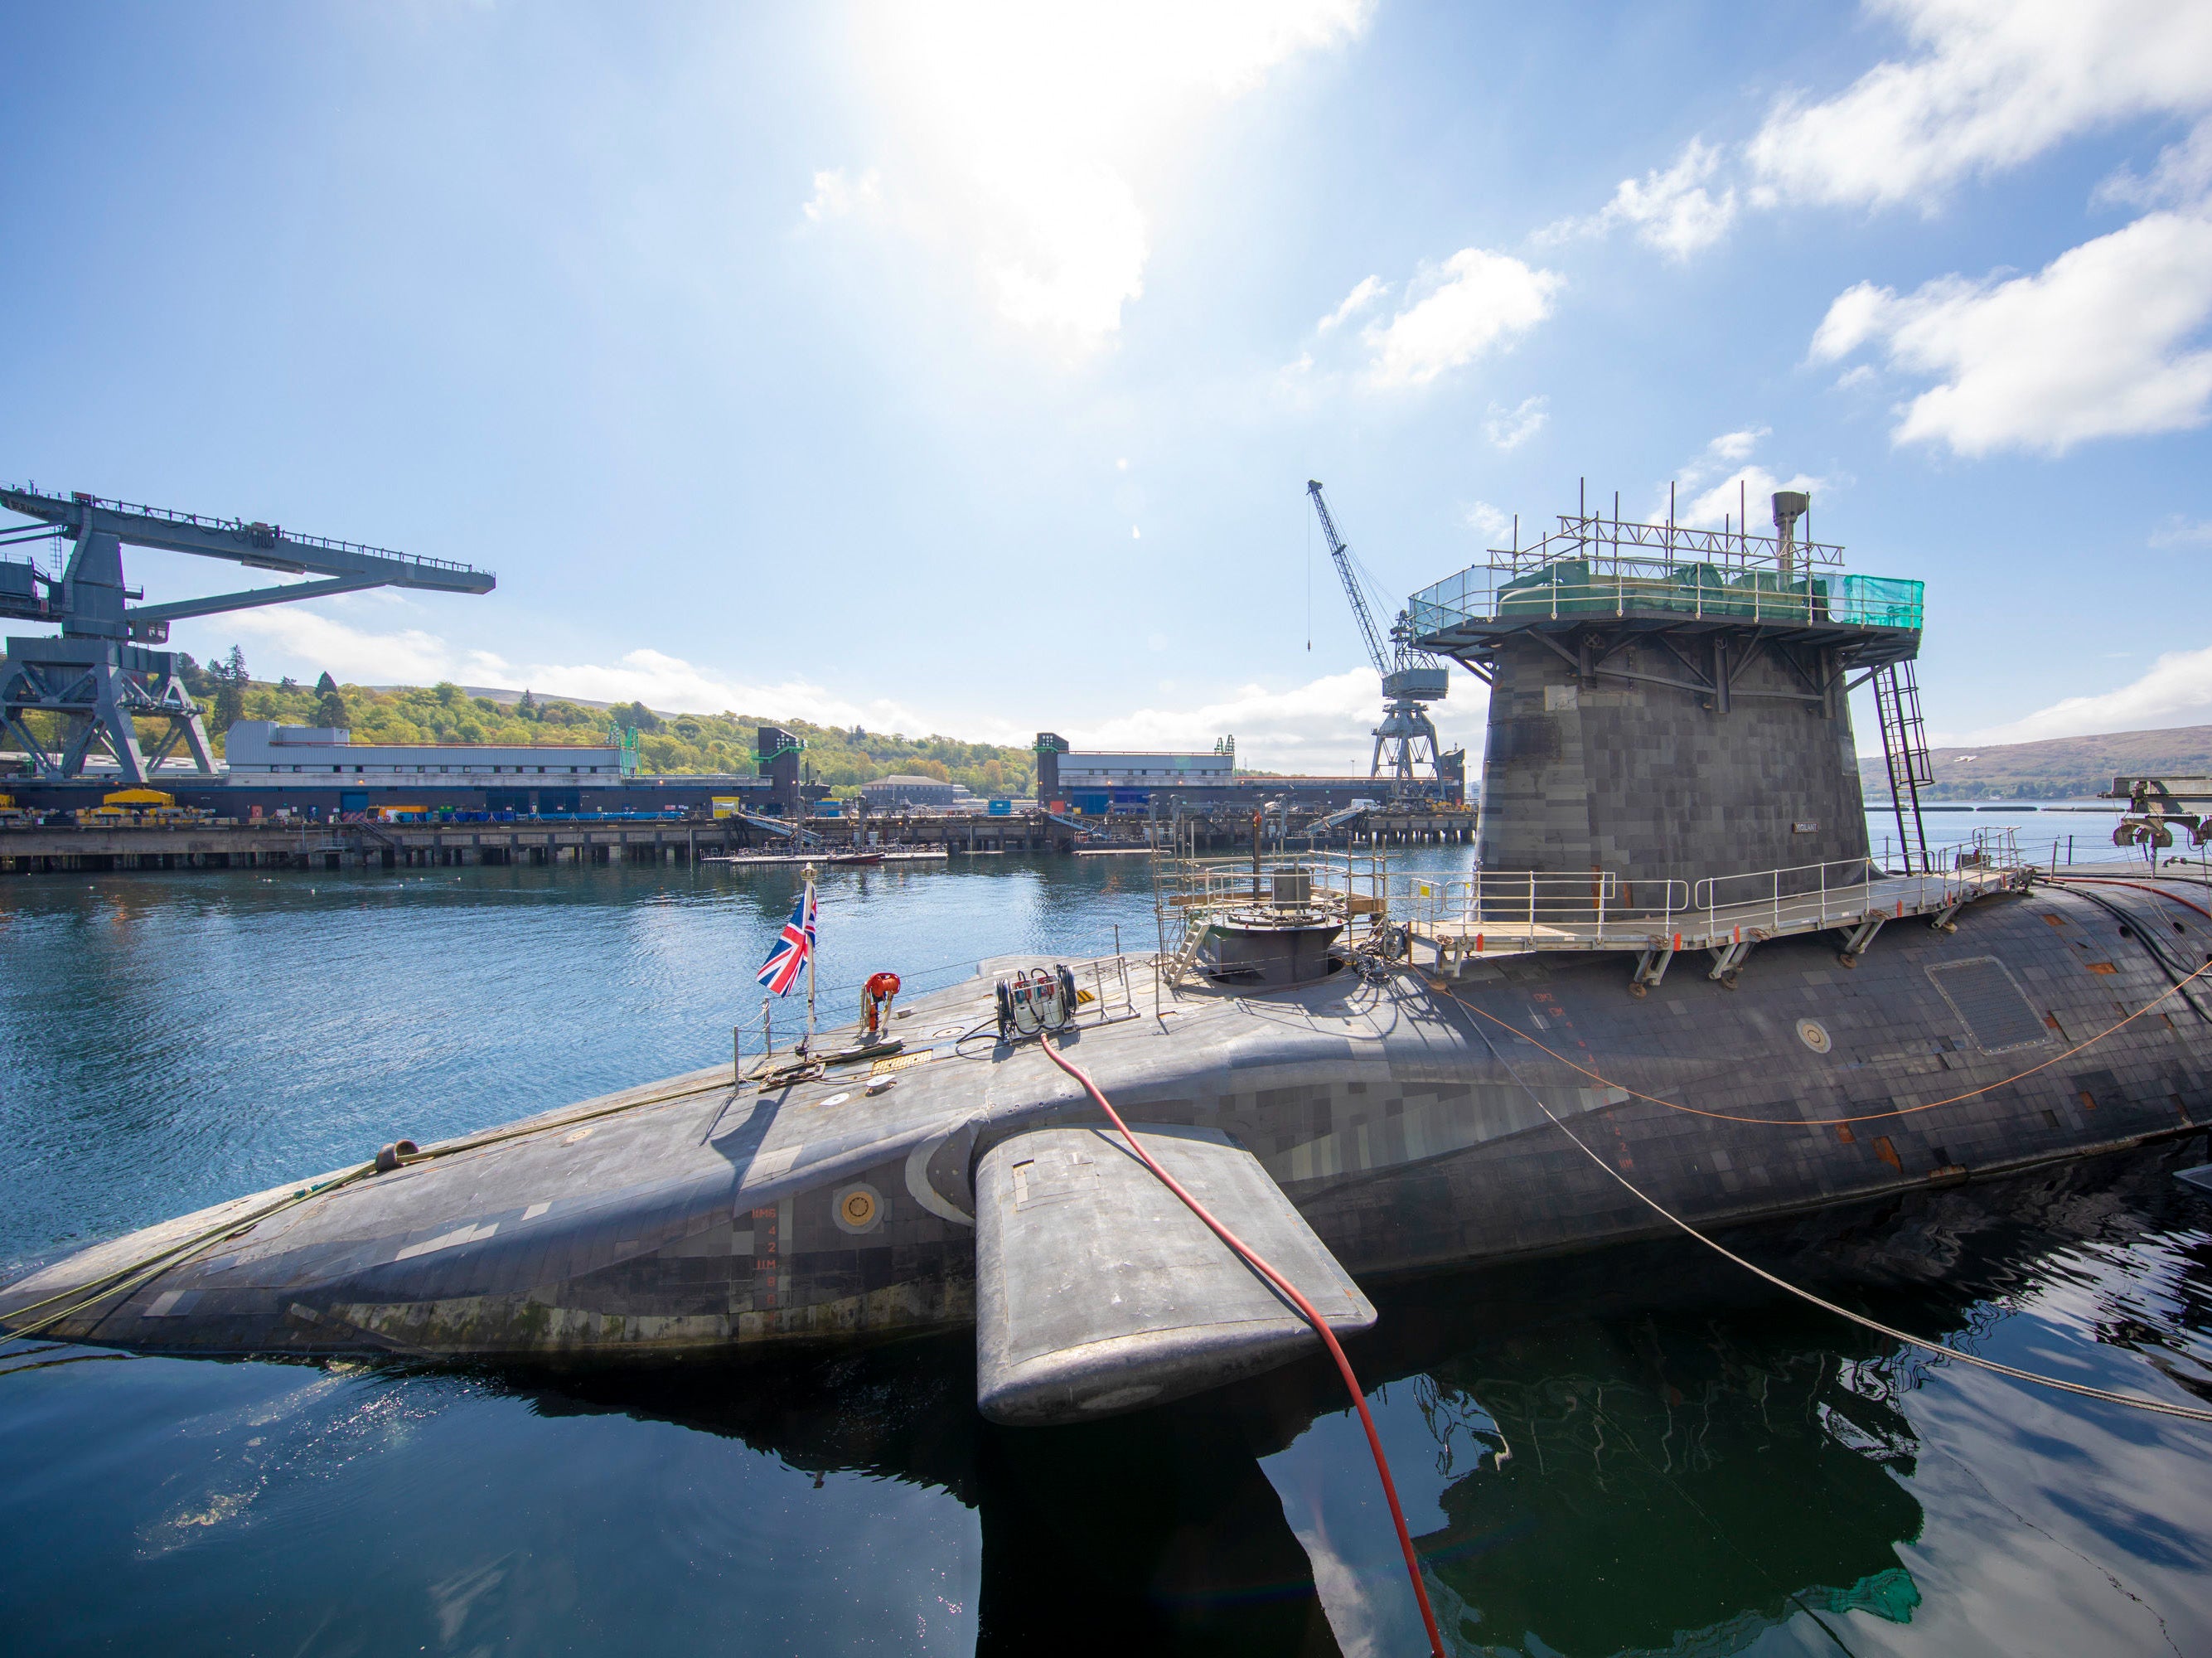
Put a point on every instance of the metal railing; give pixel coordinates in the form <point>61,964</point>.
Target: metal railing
<point>1606,585</point>
<point>1347,887</point>
<point>1528,902</point>
<point>1843,887</point>
<point>235,527</point>
<point>1506,912</point>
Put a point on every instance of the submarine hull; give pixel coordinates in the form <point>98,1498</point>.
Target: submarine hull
<point>1401,1118</point>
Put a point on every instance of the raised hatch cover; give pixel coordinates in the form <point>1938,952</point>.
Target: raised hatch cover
<point>1989,1004</point>
<point>1096,1291</point>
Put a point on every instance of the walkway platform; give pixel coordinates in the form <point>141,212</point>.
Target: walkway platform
<point>1503,914</point>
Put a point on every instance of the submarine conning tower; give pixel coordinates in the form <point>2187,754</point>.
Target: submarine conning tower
<point>1670,705</point>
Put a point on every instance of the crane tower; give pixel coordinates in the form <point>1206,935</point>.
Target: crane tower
<point>1412,678</point>
<point>100,677</point>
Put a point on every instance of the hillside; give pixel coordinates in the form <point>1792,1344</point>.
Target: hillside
<point>2058,768</point>
<point>677,743</point>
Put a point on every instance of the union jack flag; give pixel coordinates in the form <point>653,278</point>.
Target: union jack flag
<point>780,971</point>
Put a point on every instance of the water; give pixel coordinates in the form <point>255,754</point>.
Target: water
<point>1635,1452</point>
<point>2071,830</point>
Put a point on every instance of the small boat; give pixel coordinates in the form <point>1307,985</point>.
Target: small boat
<point>838,858</point>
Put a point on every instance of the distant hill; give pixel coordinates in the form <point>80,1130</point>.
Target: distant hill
<point>2057,768</point>
<point>695,744</point>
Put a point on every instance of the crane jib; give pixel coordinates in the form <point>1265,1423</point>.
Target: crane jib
<point>1410,677</point>
<point>100,679</point>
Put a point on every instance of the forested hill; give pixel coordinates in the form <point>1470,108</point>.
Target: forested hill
<point>841,757</point>
<point>2058,768</point>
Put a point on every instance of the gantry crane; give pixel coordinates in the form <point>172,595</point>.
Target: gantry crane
<point>99,675</point>
<point>1412,678</point>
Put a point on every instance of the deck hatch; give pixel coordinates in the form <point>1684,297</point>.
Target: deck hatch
<point>1988,1002</point>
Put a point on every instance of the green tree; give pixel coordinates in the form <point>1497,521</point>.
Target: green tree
<point>231,681</point>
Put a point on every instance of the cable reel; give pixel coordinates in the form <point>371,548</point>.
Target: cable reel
<point>1035,1001</point>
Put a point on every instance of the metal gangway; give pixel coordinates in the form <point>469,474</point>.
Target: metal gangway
<point>797,834</point>
<point>1510,912</point>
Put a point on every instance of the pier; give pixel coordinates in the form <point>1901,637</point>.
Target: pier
<point>67,847</point>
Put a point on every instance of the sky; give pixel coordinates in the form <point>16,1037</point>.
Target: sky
<point>960,368</point>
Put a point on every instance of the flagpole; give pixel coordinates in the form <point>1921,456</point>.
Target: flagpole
<point>809,913</point>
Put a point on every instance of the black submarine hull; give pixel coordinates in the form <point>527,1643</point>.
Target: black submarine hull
<point>1399,1118</point>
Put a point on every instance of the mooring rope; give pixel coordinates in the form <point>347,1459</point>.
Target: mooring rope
<point>2135,1400</point>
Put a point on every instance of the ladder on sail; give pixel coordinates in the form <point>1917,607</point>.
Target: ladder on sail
<point>1904,751</point>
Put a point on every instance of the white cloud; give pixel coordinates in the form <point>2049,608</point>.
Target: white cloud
<point>1024,131</point>
<point>1509,429</point>
<point>406,656</point>
<point>1717,488</point>
<point>1325,725</point>
<point>2096,345</point>
<point>1751,488</point>
<point>1737,446</point>
<point>1671,210</point>
<point>2181,177</point>
<point>1486,520</point>
<point>2176,531</point>
<point>836,196</point>
<point>1063,245</point>
<point>1364,293</point>
<point>1476,301</point>
<point>318,643</point>
<point>2177,691</point>
<point>1989,84</point>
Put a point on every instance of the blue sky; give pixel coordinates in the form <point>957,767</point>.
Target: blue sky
<point>962,367</point>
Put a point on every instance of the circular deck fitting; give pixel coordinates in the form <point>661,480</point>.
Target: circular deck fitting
<point>857,1208</point>
<point>1814,1035</point>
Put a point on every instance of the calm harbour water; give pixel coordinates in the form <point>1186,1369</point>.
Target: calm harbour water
<point>1635,1452</point>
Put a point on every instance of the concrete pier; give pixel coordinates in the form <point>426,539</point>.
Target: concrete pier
<point>73,848</point>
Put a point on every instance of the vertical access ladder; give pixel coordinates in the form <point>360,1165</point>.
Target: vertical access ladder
<point>1904,751</point>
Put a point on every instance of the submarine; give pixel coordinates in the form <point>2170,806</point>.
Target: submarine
<point>1677,984</point>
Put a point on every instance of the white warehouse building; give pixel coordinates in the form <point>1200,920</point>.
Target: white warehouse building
<point>259,748</point>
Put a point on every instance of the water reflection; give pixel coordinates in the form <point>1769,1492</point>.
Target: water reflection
<point>1636,1452</point>
<point>1641,1451</point>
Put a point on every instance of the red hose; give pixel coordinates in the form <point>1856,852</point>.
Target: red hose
<point>1306,1311</point>
<point>2140,886</point>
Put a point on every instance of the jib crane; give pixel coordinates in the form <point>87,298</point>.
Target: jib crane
<point>1412,678</point>
<point>100,675</point>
